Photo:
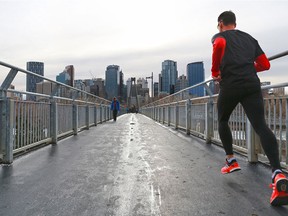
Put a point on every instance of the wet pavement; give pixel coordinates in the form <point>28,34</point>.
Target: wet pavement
<point>133,166</point>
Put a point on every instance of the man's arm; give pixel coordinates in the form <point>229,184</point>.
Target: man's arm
<point>219,45</point>
<point>262,63</point>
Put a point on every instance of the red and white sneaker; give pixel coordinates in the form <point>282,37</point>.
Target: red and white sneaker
<point>280,190</point>
<point>230,167</point>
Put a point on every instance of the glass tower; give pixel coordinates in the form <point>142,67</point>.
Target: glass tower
<point>31,81</point>
<point>111,81</point>
<point>169,76</point>
<point>195,75</point>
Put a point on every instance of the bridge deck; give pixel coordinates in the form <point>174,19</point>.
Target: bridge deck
<point>133,167</point>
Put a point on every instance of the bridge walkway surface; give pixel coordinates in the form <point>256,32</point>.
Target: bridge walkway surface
<point>133,166</point>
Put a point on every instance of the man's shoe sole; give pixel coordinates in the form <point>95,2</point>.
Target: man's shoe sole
<point>233,170</point>
<point>279,201</point>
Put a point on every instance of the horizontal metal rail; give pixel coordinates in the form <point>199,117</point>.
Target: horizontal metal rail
<point>278,55</point>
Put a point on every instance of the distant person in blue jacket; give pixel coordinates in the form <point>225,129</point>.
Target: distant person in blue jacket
<point>115,107</point>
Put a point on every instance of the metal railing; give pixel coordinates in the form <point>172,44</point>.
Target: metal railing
<point>25,124</point>
<point>198,116</point>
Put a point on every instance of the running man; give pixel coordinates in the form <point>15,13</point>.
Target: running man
<point>236,59</point>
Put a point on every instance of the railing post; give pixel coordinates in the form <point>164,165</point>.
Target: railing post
<point>75,119</point>
<point>252,142</point>
<point>105,113</point>
<point>176,115</point>
<point>209,120</point>
<point>100,107</point>
<point>157,114</point>
<point>163,115</point>
<point>7,130</point>
<point>95,115</point>
<point>169,115</point>
<point>188,116</point>
<point>54,121</point>
<point>87,116</point>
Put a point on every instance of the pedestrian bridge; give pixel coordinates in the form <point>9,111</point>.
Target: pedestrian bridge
<point>134,166</point>
<point>61,154</point>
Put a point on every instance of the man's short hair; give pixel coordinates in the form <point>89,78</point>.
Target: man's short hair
<point>227,17</point>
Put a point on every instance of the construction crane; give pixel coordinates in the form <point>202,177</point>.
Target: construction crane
<point>93,77</point>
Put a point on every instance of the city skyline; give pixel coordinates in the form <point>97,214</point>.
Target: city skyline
<point>138,36</point>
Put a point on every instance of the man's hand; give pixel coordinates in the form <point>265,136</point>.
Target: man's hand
<point>217,78</point>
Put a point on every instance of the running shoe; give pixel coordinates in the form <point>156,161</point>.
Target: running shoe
<point>230,167</point>
<point>280,190</point>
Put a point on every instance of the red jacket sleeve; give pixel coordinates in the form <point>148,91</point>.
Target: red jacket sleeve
<point>262,63</point>
<point>219,45</point>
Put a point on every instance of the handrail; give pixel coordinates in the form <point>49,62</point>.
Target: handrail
<point>278,55</point>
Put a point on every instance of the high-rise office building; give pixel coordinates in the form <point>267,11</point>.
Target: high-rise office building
<point>121,86</point>
<point>128,84</point>
<point>112,81</point>
<point>44,87</point>
<point>98,87</point>
<point>181,83</point>
<point>63,77</point>
<point>195,75</point>
<point>67,76</point>
<point>156,89</point>
<point>169,76</point>
<point>31,81</point>
<point>71,71</point>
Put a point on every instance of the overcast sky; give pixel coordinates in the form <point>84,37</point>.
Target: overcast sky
<point>137,35</point>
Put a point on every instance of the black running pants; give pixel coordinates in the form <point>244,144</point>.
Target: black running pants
<point>252,101</point>
<point>115,114</point>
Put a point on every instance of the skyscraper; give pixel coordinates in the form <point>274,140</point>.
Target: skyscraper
<point>156,89</point>
<point>111,81</point>
<point>31,81</point>
<point>69,69</point>
<point>195,75</point>
<point>63,77</point>
<point>181,83</point>
<point>128,84</point>
<point>98,88</point>
<point>169,76</point>
<point>121,86</point>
